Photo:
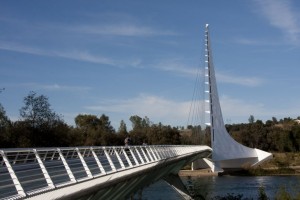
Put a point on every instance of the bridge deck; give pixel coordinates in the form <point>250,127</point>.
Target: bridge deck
<point>63,172</point>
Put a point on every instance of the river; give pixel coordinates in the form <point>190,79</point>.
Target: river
<point>212,186</point>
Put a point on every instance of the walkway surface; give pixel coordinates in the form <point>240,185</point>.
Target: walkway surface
<point>66,173</point>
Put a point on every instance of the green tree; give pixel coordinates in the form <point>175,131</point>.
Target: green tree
<point>37,110</point>
<point>43,127</point>
<point>96,131</point>
<point>140,129</point>
<point>5,125</point>
<point>136,122</point>
<point>123,128</point>
<point>251,119</point>
<point>108,136</point>
<point>86,121</point>
<point>274,119</point>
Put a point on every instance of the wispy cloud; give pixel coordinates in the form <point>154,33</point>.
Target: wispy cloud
<point>122,30</point>
<point>239,80</point>
<point>239,110</point>
<point>172,65</point>
<point>176,113</point>
<point>63,87</point>
<point>247,41</point>
<point>178,66</point>
<point>281,15</point>
<point>257,42</point>
<point>158,109</point>
<point>86,57</point>
<point>74,55</point>
<point>21,48</point>
<point>53,87</point>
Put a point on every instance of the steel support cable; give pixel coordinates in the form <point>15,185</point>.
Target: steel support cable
<point>191,110</point>
<point>196,113</point>
<point>196,109</point>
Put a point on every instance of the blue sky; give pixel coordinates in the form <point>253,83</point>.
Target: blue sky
<point>124,58</point>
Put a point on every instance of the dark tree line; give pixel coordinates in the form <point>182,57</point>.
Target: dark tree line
<point>40,126</point>
<point>274,135</point>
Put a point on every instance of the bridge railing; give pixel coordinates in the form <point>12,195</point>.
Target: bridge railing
<point>25,172</point>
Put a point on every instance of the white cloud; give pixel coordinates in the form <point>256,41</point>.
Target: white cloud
<point>240,108</point>
<point>239,80</point>
<point>87,57</point>
<point>247,41</point>
<point>63,87</point>
<point>281,15</point>
<point>171,65</point>
<point>257,42</point>
<point>74,55</point>
<point>178,66</point>
<point>20,48</point>
<point>158,109</point>
<point>176,113</point>
<point>55,86</point>
<point>122,30</point>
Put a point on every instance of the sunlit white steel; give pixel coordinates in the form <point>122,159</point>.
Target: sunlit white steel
<point>133,156</point>
<point>149,153</point>
<point>119,158</point>
<point>127,158</point>
<point>113,167</point>
<point>227,153</point>
<point>45,172</point>
<point>144,154</point>
<point>88,168</point>
<point>156,154</point>
<point>69,172</point>
<point>139,156</point>
<point>102,171</point>
<point>19,188</point>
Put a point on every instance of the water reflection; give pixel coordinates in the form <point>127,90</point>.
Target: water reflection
<point>209,187</point>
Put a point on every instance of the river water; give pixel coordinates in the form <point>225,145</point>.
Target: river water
<point>208,187</point>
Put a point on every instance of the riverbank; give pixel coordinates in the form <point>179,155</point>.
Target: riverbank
<point>281,164</point>
<point>197,173</point>
<point>290,171</point>
<point>271,171</point>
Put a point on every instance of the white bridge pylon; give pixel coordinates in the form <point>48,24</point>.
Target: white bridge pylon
<point>227,153</point>
<point>91,172</point>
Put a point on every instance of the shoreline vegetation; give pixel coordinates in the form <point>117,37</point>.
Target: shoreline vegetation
<point>281,164</point>
<point>282,193</point>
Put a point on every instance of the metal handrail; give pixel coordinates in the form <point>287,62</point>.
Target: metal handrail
<point>24,172</point>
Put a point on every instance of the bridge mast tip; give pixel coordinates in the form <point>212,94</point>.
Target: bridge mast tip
<point>206,25</point>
